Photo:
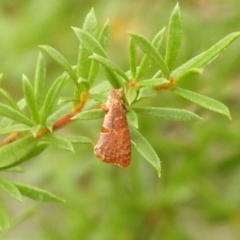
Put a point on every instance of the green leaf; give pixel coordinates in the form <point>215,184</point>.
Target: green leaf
<point>51,98</point>
<point>112,77</point>
<point>6,121</point>
<point>145,63</point>
<point>104,34</point>
<point>36,129</point>
<point>14,115</point>
<point>62,61</point>
<point>33,152</point>
<point>132,118</point>
<point>10,189</point>
<point>79,139</point>
<point>84,63</point>
<point>174,37</point>
<point>152,52</point>
<point>59,142</point>
<point>85,85</point>
<point>103,39</point>
<point>132,58</point>
<point>30,100</point>
<point>90,43</point>
<point>167,113</point>
<point>89,114</point>
<point>152,82</point>
<point>208,56</point>
<point>4,220</point>
<point>90,23</point>
<point>14,128</point>
<point>188,73</point>
<point>146,92</point>
<point>40,80</point>
<point>131,95</point>
<point>9,98</point>
<point>145,149</point>
<point>100,88</point>
<point>37,193</point>
<point>98,97</point>
<point>110,65</point>
<point>203,101</point>
<point>15,151</point>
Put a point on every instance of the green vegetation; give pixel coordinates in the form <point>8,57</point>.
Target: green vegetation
<point>58,111</point>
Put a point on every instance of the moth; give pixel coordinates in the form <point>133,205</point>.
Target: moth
<point>114,144</point>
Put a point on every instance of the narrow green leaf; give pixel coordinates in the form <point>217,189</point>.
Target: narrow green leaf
<point>40,80</point>
<point>152,82</point>
<point>89,114</point>
<point>174,37</point>
<point>84,63</point>
<point>51,98</point>
<point>37,193</point>
<point>112,77</point>
<point>79,139</point>
<point>132,118</point>
<point>146,63</point>
<point>62,61</point>
<point>30,99</point>
<point>146,92</point>
<point>9,98</point>
<point>158,74</point>
<point>188,73</point>
<point>15,151</point>
<point>90,43</point>
<point>208,56</point>
<point>203,101</point>
<point>103,39</point>
<point>85,85</point>
<point>90,23</point>
<point>145,149</point>
<point>59,142</point>
<point>36,129</point>
<point>157,40</point>
<point>4,220</point>
<point>131,95</point>
<point>104,34</point>
<point>100,88</point>
<point>14,115</point>
<point>6,121</point>
<point>33,152</point>
<point>98,97</point>
<point>10,189</point>
<point>110,65</point>
<point>14,128</point>
<point>132,58</point>
<point>38,149</point>
<point>168,113</point>
<point>93,71</point>
<point>62,100</point>
<point>152,52</point>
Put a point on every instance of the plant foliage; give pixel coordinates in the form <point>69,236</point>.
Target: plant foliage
<point>30,132</point>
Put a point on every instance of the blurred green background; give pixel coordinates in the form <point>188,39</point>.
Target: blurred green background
<point>198,195</point>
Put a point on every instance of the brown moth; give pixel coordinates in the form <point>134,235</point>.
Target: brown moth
<point>114,144</point>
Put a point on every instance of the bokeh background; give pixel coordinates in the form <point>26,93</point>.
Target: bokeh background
<point>198,194</point>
